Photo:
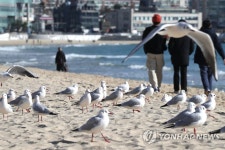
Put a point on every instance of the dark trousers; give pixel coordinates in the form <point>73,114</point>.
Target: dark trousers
<point>180,77</point>
<point>206,77</point>
<point>61,67</point>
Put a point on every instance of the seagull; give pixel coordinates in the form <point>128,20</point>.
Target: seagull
<point>23,101</point>
<point>70,91</point>
<point>11,95</point>
<point>41,92</point>
<point>178,99</point>
<point>16,69</point>
<point>148,91</point>
<point>190,109</point>
<point>198,99</point>
<point>221,130</point>
<point>96,96</point>
<point>181,29</point>
<point>125,87</point>
<point>96,124</point>
<point>85,100</point>
<point>40,109</point>
<point>193,120</point>
<point>210,104</point>
<point>115,96</point>
<point>134,103</point>
<point>5,108</point>
<point>136,90</point>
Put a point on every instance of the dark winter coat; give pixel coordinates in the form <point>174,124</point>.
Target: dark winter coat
<point>60,58</point>
<point>180,49</point>
<point>199,58</point>
<point>156,45</point>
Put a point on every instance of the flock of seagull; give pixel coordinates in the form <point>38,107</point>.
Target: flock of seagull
<point>199,106</point>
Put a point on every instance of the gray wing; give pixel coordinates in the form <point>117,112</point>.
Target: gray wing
<point>178,117</point>
<point>66,91</point>
<point>40,109</point>
<point>206,45</point>
<point>112,96</point>
<point>221,130</point>
<point>146,39</point>
<point>131,103</point>
<point>195,99</point>
<point>35,93</point>
<point>90,124</point>
<point>188,120</point>
<point>145,91</point>
<point>174,100</point>
<point>207,104</point>
<point>17,101</point>
<point>94,96</point>
<point>134,91</point>
<point>20,70</point>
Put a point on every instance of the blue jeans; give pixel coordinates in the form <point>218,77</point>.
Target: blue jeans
<point>206,77</point>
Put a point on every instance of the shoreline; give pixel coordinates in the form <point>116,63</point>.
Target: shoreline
<point>62,42</point>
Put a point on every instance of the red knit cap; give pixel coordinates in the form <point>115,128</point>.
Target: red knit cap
<point>156,18</point>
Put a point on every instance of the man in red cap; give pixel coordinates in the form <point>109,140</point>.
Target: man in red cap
<point>154,50</point>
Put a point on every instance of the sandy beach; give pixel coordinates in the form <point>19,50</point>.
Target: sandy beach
<point>126,129</point>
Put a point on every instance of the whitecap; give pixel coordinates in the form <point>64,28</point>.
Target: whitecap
<point>137,66</point>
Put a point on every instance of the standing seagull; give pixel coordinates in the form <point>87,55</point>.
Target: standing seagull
<point>181,29</point>
<point>40,109</point>
<point>198,99</point>
<point>115,96</point>
<point>210,104</point>
<point>177,100</point>
<point>11,95</point>
<point>70,91</point>
<point>85,100</point>
<point>96,96</point>
<point>125,87</point>
<point>96,124</point>
<point>5,108</point>
<point>23,101</point>
<point>190,109</point>
<point>193,120</point>
<point>148,91</point>
<point>15,69</point>
<point>135,104</point>
<point>41,92</point>
<point>136,90</point>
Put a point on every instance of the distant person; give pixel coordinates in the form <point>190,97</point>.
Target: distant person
<point>205,71</point>
<point>180,49</point>
<point>60,60</point>
<point>154,50</point>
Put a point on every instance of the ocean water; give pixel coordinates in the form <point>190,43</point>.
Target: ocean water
<point>101,59</point>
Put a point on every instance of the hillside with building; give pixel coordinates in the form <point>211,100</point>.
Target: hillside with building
<point>123,18</point>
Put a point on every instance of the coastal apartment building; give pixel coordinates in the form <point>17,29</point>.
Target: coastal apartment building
<point>128,20</point>
<point>71,15</point>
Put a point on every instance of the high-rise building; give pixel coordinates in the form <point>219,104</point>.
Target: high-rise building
<point>11,10</point>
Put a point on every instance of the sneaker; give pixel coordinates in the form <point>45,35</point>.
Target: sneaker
<point>156,90</point>
<point>207,92</point>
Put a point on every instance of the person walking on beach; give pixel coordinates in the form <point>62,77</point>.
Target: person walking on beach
<point>60,60</point>
<point>154,50</point>
<point>205,71</point>
<point>180,49</point>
